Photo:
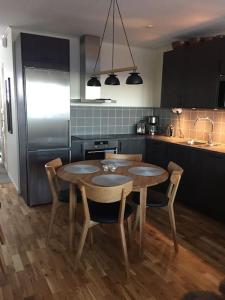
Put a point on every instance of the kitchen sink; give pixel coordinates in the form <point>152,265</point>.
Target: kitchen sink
<point>198,143</point>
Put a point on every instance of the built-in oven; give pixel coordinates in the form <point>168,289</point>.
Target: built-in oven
<point>97,149</point>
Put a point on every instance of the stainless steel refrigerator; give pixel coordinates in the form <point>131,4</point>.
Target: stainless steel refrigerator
<point>46,104</point>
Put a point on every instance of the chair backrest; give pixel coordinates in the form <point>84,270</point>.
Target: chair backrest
<point>132,157</point>
<point>175,172</point>
<point>51,168</point>
<point>105,195</point>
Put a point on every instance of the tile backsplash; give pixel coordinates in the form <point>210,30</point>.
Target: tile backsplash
<point>187,119</point>
<point>94,120</point>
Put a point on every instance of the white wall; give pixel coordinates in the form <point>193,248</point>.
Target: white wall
<point>12,149</point>
<point>130,95</point>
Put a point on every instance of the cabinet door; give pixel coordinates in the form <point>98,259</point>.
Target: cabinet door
<point>157,153</point>
<point>132,146</point>
<point>77,151</point>
<point>202,74</point>
<point>213,189</point>
<point>173,78</point>
<point>45,52</point>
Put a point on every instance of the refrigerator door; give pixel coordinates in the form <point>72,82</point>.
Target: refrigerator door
<point>38,186</point>
<point>48,108</point>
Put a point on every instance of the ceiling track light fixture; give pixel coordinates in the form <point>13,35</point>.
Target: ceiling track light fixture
<point>134,77</point>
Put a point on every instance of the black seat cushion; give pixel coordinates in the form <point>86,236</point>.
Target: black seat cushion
<point>64,195</point>
<point>154,198</point>
<point>107,212</point>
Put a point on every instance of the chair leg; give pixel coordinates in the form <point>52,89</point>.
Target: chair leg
<point>91,237</point>
<point>124,248</point>
<point>52,219</point>
<point>81,243</point>
<point>173,227</point>
<point>129,227</point>
<point>137,219</point>
<point>2,237</point>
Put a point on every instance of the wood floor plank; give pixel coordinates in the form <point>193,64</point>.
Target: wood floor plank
<point>36,272</point>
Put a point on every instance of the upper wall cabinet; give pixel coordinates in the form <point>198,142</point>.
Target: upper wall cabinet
<point>45,52</point>
<point>193,76</point>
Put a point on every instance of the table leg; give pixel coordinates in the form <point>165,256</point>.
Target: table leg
<point>72,208</point>
<point>143,196</point>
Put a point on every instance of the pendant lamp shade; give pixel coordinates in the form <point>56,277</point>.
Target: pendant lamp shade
<point>93,81</point>
<point>112,80</point>
<point>134,78</point>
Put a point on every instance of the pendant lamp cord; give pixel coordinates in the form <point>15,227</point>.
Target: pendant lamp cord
<point>124,30</point>
<point>103,35</point>
<point>113,37</point>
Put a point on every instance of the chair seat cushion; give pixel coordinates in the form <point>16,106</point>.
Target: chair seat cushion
<point>64,196</point>
<point>154,198</point>
<point>107,212</point>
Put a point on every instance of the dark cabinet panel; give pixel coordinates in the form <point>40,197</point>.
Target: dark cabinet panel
<point>77,151</point>
<point>173,78</point>
<point>132,146</point>
<point>202,184</point>
<point>45,52</point>
<point>202,74</point>
<point>156,153</point>
<point>191,75</point>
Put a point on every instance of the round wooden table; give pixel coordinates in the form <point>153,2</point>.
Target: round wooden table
<point>140,184</point>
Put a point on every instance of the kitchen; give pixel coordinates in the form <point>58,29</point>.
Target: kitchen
<point>175,115</point>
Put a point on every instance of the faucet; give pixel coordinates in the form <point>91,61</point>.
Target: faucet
<point>210,136</point>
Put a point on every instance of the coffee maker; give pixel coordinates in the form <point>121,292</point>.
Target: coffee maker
<point>153,125</point>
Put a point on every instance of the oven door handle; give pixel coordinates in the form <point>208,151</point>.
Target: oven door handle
<point>95,151</point>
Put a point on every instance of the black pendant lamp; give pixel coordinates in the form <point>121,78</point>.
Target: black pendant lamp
<point>134,77</point>
<point>112,80</point>
<point>93,81</point>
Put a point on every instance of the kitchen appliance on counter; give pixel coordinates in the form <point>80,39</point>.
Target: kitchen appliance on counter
<point>141,127</point>
<point>153,125</point>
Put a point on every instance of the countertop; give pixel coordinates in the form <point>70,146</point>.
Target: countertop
<point>219,148</point>
<point>182,142</point>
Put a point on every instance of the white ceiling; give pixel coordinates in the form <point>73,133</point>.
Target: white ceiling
<point>172,19</point>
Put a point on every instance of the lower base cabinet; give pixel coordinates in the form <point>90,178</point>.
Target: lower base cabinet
<point>133,146</point>
<point>202,186</point>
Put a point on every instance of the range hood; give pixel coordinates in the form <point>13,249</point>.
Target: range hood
<point>89,46</point>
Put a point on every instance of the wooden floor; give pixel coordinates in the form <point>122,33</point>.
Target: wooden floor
<point>33,271</point>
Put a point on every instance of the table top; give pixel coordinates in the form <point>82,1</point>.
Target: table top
<point>138,181</point>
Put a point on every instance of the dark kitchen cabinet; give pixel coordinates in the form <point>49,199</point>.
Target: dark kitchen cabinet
<point>132,146</point>
<point>201,76</point>
<point>191,75</point>
<point>202,184</point>
<point>45,52</point>
<point>77,151</point>
<point>156,152</point>
<point>173,78</point>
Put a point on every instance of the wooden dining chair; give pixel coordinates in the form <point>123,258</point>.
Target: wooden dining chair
<point>158,199</point>
<point>59,197</point>
<point>132,157</point>
<point>105,205</point>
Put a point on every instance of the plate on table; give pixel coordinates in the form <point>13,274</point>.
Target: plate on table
<point>81,169</point>
<point>146,171</point>
<point>110,180</point>
<point>116,162</point>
